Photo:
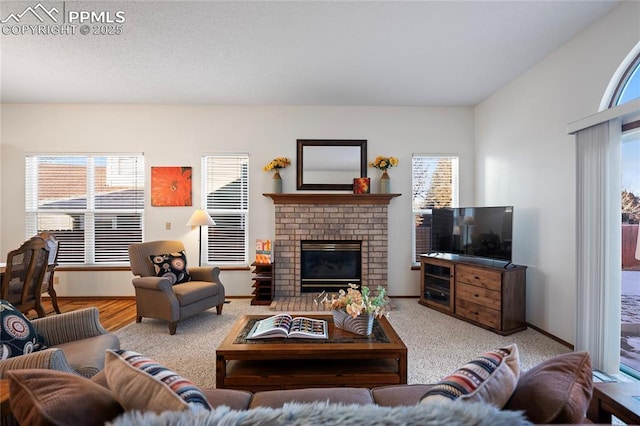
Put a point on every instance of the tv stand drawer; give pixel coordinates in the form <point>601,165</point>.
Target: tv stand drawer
<point>479,295</point>
<point>491,280</point>
<point>478,313</point>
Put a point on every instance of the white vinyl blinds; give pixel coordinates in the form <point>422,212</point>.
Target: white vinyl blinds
<point>226,198</point>
<point>93,204</point>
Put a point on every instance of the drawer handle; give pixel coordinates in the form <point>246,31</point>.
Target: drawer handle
<point>475,277</point>
<point>476,295</point>
<point>475,312</point>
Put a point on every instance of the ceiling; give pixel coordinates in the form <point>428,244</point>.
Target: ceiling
<point>384,53</point>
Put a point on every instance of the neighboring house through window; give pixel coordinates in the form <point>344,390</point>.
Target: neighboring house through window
<point>93,204</point>
<point>225,195</point>
<point>434,184</point>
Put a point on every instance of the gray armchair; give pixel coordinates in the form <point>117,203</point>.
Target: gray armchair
<point>157,297</point>
<point>76,342</point>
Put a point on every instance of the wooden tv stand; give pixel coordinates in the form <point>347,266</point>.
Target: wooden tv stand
<point>479,291</point>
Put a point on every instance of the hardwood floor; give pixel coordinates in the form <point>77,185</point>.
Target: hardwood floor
<point>115,313</point>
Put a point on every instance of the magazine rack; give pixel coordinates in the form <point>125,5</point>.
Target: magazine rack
<point>263,288</point>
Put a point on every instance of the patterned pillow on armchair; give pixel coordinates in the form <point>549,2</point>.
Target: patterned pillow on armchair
<point>172,266</point>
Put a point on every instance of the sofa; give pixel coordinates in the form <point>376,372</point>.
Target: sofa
<point>128,392</point>
<point>74,342</point>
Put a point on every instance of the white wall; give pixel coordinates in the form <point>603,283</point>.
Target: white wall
<point>524,157</point>
<point>180,135</point>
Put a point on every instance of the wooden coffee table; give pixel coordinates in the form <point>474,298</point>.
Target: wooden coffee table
<point>345,359</point>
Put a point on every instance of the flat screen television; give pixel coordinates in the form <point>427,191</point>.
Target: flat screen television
<point>484,232</point>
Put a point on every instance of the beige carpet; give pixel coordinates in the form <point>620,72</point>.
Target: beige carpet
<point>437,343</point>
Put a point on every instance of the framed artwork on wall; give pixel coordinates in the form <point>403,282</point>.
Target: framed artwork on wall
<point>171,186</point>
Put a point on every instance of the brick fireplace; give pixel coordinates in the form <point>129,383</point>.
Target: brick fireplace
<point>329,217</point>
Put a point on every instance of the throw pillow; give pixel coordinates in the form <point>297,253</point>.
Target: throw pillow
<point>17,333</point>
<point>490,378</point>
<point>50,397</point>
<point>140,383</point>
<point>557,390</point>
<point>172,266</point>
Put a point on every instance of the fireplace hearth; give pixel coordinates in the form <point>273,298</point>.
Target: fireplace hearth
<point>329,265</point>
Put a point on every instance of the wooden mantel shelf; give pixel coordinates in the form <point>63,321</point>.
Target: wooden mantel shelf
<point>324,198</point>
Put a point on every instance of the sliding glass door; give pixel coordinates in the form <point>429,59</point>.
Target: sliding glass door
<point>630,291</point>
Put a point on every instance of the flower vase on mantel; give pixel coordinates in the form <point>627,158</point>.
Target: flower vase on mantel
<point>362,324</point>
<point>277,183</point>
<point>385,183</point>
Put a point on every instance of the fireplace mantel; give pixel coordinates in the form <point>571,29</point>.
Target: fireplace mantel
<point>325,198</point>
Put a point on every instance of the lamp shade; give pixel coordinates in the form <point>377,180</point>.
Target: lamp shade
<point>200,218</point>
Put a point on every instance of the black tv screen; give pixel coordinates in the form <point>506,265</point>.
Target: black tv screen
<point>473,231</point>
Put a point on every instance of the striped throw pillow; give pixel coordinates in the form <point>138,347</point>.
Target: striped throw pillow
<point>490,378</point>
<point>140,383</point>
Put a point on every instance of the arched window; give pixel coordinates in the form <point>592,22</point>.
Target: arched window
<point>625,85</point>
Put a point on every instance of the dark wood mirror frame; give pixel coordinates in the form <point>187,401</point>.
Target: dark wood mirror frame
<point>347,185</point>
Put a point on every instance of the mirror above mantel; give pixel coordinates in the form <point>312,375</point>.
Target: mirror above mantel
<point>330,164</point>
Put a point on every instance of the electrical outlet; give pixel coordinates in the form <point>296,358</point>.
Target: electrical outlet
<point>167,226</point>
<point>56,280</point>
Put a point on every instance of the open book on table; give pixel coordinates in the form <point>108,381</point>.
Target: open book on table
<point>284,325</point>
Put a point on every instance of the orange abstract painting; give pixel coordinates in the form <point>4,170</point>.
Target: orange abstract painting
<point>170,186</point>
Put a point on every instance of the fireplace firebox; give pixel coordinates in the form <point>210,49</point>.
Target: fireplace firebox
<point>329,265</point>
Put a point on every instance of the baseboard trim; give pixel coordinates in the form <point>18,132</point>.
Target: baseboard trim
<point>552,337</point>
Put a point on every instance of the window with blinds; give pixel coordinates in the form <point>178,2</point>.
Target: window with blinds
<point>92,204</point>
<point>225,187</point>
<point>434,183</point>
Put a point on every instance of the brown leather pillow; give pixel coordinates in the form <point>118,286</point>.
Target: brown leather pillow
<point>557,390</point>
<point>50,397</point>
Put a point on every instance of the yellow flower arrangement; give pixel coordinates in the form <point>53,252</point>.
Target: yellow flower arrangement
<point>356,302</point>
<point>383,163</point>
<point>277,164</point>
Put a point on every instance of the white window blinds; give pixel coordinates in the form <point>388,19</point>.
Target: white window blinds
<point>226,198</point>
<point>93,204</point>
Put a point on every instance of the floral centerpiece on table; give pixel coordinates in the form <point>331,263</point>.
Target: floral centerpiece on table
<point>354,310</point>
<point>356,302</point>
<point>383,163</point>
<point>277,164</point>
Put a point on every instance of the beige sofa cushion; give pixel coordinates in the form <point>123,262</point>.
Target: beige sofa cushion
<point>557,390</point>
<point>49,397</point>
